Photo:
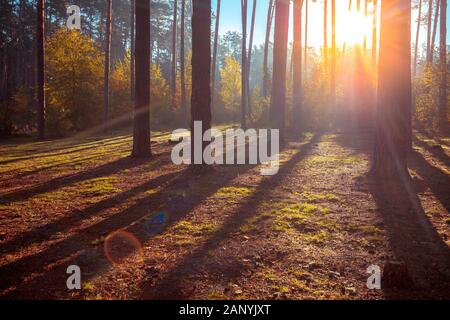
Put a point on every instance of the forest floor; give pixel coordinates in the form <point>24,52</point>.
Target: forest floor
<point>149,229</point>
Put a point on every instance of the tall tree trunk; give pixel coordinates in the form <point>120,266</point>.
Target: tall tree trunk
<point>435,23</point>
<point>416,44</point>
<point>141,132</point>
<point>297,63</point>
<point>306,39</point>
<point>278,104</point>
<point>216,45</point>
<point>443,100</point>
<point>132,44</point>
<point>366,3</point>
<point>40,37</point>
<point>374,33</point>
<point>174,53</point>
<point>333,52</point>
<point>201,75</point>
<point>107,62</point>
<point>325,36</point>
<point>430,15</point>
<point>182,62</point>
<point>244,5</point>
<point>249,59</point>
<point>270,12</point>
<point>393,126</point>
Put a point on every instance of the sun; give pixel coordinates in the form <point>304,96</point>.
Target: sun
<point>353,26</point>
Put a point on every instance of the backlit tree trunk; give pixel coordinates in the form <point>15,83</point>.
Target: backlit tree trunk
<point>174,53</point>
<point>430,15</point>
<point>393,125</point>
<point>435,23</point>
<point>297,62</point>
<point>201,70</point>
<point>249,59</point>
<point>270,12</point>
<point>141,130</point>
<point>443,100</point>
<point>216,45</point>
<point>278,104</point>
<point>333,52</point>
<point>416,45</point>
<point>107,61</point>
<point>132,44</point>
<point>244,5</point>
<point>182,62</point>
<point>40,38</point>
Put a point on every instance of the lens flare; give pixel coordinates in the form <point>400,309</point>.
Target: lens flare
<point>122,245</point>
<point>156,223</point>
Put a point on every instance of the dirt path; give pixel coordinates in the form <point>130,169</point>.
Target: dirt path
<point>309,232</point>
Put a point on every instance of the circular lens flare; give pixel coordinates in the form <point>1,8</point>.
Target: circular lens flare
<point>120,246</point>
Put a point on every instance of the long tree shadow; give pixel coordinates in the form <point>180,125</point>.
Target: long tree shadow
<point>412,239</point>
<point>170,285</point>
<point>60,182</point>
<point>437,180</point>
<point>77,249</point>
<point>436,151</point>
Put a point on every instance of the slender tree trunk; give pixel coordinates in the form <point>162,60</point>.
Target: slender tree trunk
<point>270,12</point>
<point>132,44</point>
<point>278,105</point>
<point>325,36</point>
<point>297,61</point>
<point>430,15</point>
<point>333,52</point>
<point>182,62</point>
<point>433,38</point>
<point>40,37</point>
<point>201,75</point>
<point>374,33</point>
<point>366,2</point>
<point>393,126</point>
<point>443,99</point>
<point>416,45</point>
<point>216,45</point>
<point>249,59</point>
<point>174,53</point>
<point>306,39</point>
<point>244,5</point>
<point>107,62</point>
<point>141,132</point>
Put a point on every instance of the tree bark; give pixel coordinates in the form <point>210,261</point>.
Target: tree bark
<point>244,64</point>
<point>132,44</point>
<point>249,59</point>
<point>174,53</point>
<point>40,37</point>
<point>107,62</point>
<point>141,132</point>
<point>201,72</point>
<point>416,45</point>
<point>297,63</point>
<point>374,33</point>
<point>443,99</point>
<point>325,36</point>
<point>430,14</point>
<point>270,11</point>
<point>278,104</point>
<point>306,40</point>
<point>435,23</point>
<point>182,62</point>
<point>393,125</point>
<point>333,52</point>
<point>216,45</point>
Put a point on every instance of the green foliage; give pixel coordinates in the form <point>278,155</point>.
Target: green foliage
<point>74,76</point>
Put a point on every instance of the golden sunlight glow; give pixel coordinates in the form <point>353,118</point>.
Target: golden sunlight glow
<point>353,26</point>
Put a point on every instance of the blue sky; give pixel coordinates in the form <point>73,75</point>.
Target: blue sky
<point>231,20</point>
